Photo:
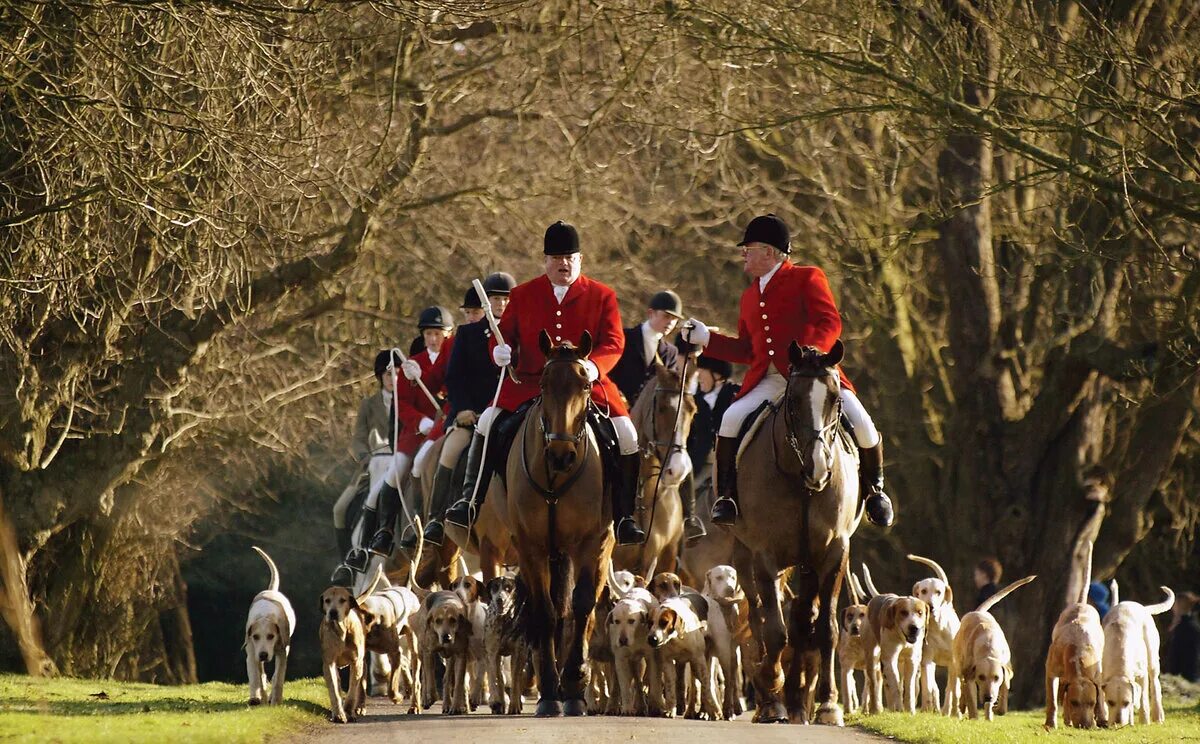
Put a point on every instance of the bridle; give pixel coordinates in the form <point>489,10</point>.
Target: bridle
<point>663,448</point>
<point>550,491</point>
<point>823,435</point>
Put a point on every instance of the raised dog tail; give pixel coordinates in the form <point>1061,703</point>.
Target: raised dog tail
<point>416,561</point>
<point>871,590</point>
<point>991,601</point>
<point>1161,607</point>
<point>274,585</point>
<point>937,569</point>
<point>1114,590</point>
<point>1087,573</point>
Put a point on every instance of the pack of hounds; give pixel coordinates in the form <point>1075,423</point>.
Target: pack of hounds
<point>664,649</point>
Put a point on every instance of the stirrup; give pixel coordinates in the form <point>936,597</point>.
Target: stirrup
<point>435,533</point>
<point>725,511</point>
<point>629,532</point>
<point>408,541</point>
<point>460,516</point>
<point>693,530</point>
<point>382,544</point>
<point>879,509</point>
<point>342,576</point>
<point>356,560</point>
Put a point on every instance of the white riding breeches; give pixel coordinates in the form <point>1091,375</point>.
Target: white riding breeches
<point>422,456</point>
<point>627,439</point>
<point>772,388</point>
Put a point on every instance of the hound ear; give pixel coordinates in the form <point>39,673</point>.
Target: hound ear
<point>914,589</point>
<point>544,342</point>
<point>969,672</point>
<point>889,616</point>
<point>707,585</point>
<point>368,618</point>
<point>639,581</point>
<point>835,355</point>
<point>472,590</point>
<point>1008,672</point>
<point>485,592</point>
<point>948,597</point>
<point>585,345</point>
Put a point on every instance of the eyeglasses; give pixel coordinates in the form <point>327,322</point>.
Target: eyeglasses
<point>568,258</point>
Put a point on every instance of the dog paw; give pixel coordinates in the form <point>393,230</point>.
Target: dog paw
<point>337,716</point>
<point>830,714</point>
<point>255,701</point>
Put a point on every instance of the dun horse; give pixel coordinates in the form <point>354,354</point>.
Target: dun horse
<point>663,416</point>
<point>798,487</point>
<point>561,518</point>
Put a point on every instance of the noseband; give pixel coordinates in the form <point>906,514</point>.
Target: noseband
<point>824,435</point>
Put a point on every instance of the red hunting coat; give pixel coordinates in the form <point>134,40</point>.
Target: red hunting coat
<point>411,403</point>
<point>797,305</point>
<point>588,306</point>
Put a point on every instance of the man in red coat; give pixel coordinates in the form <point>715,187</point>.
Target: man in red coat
<point>784,303</point>
<point>417,418</point>
<point>564,303</point>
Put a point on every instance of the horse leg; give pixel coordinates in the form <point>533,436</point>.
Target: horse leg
<point>583,603</point>
<point>542,627</point>
<point>768,680</point>
<point>828,710</point>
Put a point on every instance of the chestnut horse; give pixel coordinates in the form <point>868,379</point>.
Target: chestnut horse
<point>561,517</point>
<point>798,489</point>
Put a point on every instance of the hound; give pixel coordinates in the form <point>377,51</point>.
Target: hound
<point>467,587</point>
<point>1131,663</point>
<point>505,597</point>
<point>448,631</point>
<point>981,660</point>
<point>391,635</point>
<point>343,644</point>
<point>666,585</point>
<point>727,601</point>
<point>678,633</point>
<point>895,626</point>
<point>628,628</point>
<point>939,637</point>
<point>269,626</point>
<point>1074,664</point>
<point>852,655</point>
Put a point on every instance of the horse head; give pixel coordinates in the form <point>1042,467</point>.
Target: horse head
<point>812,407</point>
<point>566,391</point>
<point>672,418</point>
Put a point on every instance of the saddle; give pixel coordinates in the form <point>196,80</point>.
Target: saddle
<point>598,421</point>
<point>754,422</point>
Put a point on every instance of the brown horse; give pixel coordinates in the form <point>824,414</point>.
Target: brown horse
<point>663,416</point>
<point>798,487</point>
<point>561,517</point>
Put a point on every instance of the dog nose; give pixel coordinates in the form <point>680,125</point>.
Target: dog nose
<point>446,638</point>
<point>262,655</point>
<point>653,642</point>
<point>333,615</point>
<point>624,641</point>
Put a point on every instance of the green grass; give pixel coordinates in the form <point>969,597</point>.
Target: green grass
<point>1182,724</point>
<point>69,710</point>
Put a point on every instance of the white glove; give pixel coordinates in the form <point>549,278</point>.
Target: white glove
<point>593,371</point>
<point>695,332</point>
<point>502,355</point>
<point>411,370</point>
<point>425,426</point>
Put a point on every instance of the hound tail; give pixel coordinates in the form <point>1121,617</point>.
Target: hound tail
<point>274,585</point>
<point>851,589</point>
<point>932,564</point>
<point>1115,599</point>
<point>991,601</point>
<point>1161,607</point>
<point>1087,573</point>
<point>374,583</point>
<point>859,594</point>
<point>871,590</point>
<point>416,561</point>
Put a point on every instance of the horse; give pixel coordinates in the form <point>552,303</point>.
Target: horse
<point>798,484</point>
<point>663,417</point>
<point>562,518</point>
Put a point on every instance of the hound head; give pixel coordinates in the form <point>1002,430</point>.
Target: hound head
<point>988,676</point>
<point>263,636</point>
<point>721,582</point>
<point>1080,700</point>
<point>337,602</point>
<point>664,626</point>
<point>907,615</point>
<point>628,621</point>
<point>666,585</point>
<point>467,588</point>
<point>854,619</point>
<point>1122,696</point>
<point>501,595</point>
<point>935,593</point>
<point>447,621</point>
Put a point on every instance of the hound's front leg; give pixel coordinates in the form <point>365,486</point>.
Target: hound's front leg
<point>254,671</point>
<point>891,678</point>
<point>281,658</point>
<point>337,711</point>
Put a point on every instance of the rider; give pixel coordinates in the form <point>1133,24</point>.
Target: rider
<point>785,303</point>
<point>564,303</point>
<point>417,416</point>
<point>645,347</point>
<point>713,397</point>
<point>470,383</point>
<point>375,414</point>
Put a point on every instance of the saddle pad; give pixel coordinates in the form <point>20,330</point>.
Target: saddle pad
<point>752,424</point>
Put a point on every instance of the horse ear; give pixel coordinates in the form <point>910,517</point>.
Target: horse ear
<point>585,345</point>
<point>544,342</point>
<point>836,354</point>
<point>794,355</point>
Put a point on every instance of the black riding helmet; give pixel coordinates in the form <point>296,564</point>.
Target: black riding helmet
<point>436,317</point>
<point>499,283</point>
<point>382,360</point>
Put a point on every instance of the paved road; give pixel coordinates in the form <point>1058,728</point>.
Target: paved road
<point>384,722</point>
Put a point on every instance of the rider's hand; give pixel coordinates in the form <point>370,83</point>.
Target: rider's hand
<point>425,426</point>
<point>695,332</point>
<point>411,370</point>
<point>593,372</point>
<point>502,355</point>
<point>466,418</point>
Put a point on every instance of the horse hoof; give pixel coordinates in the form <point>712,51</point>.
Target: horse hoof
<point>548,709</point>
<point>830,714</point>
<point>574,708</point>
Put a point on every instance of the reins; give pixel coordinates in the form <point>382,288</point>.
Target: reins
<point>669,446</point>
<point>822,434</point>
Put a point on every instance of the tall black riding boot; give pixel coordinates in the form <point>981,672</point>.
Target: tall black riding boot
<point>693,527</point>
<point>725,509</point>
<point>462,512</point>
<point>624,496</point>
<point>356,557</point>
<point>389,507</point>
<point>870,476</point>
<point>343,540</point>
<point>443,480</point>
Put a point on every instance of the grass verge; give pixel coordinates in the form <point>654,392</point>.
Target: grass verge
<point>1182,724</point>
<point>78,710</point>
